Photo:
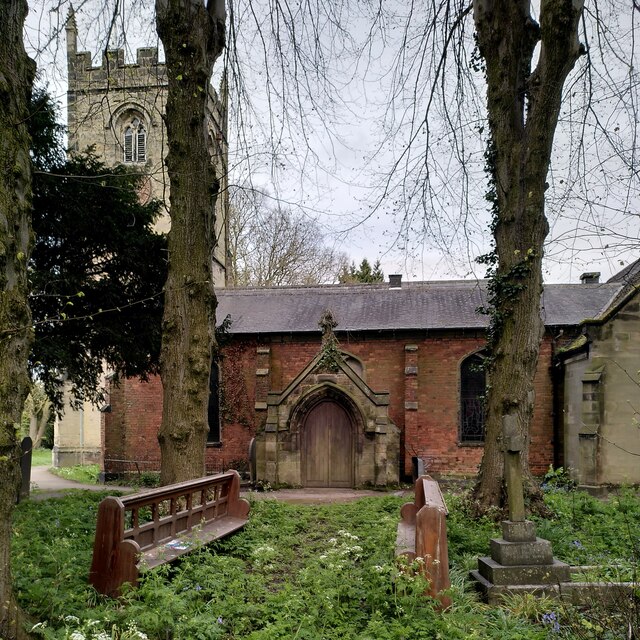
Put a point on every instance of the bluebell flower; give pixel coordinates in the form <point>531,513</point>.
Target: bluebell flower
<point>551,619</point>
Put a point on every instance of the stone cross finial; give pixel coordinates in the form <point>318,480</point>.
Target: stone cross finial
<point>327,324</point>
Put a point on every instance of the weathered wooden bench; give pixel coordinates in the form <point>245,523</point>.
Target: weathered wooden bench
<point>153,527</point>
<point>422,533</point>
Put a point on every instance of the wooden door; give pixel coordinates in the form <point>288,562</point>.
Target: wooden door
<point>328,447</point>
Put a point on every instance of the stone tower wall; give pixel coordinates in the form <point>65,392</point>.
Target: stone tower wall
<point>103,100</point>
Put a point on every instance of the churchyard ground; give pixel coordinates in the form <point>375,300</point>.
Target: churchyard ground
<point>316,572</point>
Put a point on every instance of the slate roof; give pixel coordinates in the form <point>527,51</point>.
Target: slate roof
<point>630,273</point>
<point>416,305</point>
<point>629,278</point>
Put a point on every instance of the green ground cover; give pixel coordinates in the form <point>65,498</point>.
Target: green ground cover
<point>90,474</point>
<point>308,572</point>
<point>85,473</point>
<point>41,458</point>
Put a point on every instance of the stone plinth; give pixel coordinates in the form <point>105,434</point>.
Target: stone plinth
<point>524,531</point>
<point>519,562</point>
<point>498,574</point>
<point>513,554</point>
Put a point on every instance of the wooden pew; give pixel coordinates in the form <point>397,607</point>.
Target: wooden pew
<point>153,527</point>
<point>422,533</point>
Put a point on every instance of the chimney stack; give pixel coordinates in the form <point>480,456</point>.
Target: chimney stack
<point>591,277</point>
<point>395,281</point>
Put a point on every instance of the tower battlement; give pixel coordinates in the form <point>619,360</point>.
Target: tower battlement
<point>113,69</point>
<point>114,59</point>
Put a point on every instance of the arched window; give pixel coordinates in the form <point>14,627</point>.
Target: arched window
<point>472,390</point>
<point>135,142</point>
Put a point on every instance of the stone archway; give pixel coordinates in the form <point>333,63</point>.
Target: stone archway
<point>328,415</point>
<point>327,446</point>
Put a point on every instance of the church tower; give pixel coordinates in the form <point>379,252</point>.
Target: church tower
<point>117,109</point>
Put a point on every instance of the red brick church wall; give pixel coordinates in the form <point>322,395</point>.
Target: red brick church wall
<point>130,428</point>
<point>420,372</point>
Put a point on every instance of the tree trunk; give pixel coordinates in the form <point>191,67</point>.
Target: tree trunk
<point>38,422</point>
<point>192,33</point>
<point>16,78</point>
<point>523,110</point>
<point>39,407</point>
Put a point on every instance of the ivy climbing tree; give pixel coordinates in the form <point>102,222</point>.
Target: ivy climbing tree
<point>523,107</point>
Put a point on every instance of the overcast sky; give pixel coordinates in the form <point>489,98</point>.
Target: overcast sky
<point>333,158</point>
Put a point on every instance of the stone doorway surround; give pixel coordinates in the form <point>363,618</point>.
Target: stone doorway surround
<point>328,377</point>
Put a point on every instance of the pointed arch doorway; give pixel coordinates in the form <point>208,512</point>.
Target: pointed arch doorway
<point>327,446</point>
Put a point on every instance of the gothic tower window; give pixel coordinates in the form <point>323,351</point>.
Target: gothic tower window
<point>135,142</point>
<point>472,391</point>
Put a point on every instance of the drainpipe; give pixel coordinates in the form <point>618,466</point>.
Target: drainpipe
<point>557,382</point>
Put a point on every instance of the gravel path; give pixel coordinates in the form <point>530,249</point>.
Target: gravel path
<point>45,484</point>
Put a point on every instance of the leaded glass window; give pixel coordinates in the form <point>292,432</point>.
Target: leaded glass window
<point>472,392</point>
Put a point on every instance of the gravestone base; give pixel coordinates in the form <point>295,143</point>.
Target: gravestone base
<point>520,562</point>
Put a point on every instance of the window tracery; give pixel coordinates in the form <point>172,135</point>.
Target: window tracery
<point>135,142</point>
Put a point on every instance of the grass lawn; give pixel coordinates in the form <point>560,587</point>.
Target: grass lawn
<point>309,572</point>
<point>86,474</point>
<point>41,458</point>
<point>90,474</point>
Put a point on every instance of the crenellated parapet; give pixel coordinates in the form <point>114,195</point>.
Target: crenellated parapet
<point>113,67</point>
